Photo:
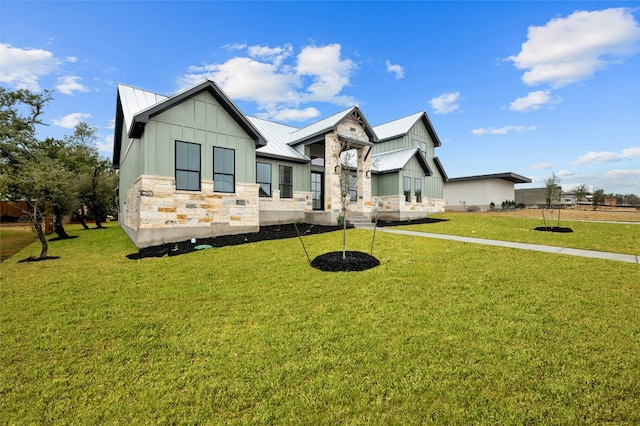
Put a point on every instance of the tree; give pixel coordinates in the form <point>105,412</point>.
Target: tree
<point>581,191</point>
<point>552,192</point>
<point>26,172</point>
<point>345,159</point>
<point>97,180</point>
<point>597,198</point>
<point>40,181</point>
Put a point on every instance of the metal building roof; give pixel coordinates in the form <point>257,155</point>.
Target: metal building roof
<point>402,126</point>
<point>277,135</point>
<point>508,176</point>
<point>392,161</point>
<point>397,127</point>
<point>134,100</point>
<point>319,127</point>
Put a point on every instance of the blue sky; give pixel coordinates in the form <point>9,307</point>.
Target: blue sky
<point>532,88</point>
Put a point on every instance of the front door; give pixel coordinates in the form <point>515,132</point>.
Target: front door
<point>317,190</point>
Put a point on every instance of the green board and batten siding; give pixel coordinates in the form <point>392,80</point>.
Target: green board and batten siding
<point>392,183</point>
<point>200,120</point>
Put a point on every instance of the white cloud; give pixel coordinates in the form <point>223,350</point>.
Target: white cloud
<point>398,70</point>
<point>564,174</point>
<point>289,114</point>
<point>69,84</point>
<point>275,55</point>
<point>22,68</point>
<point>632,153</point>
<point>330,73</point>
<point>235,46</point>
<point>72,59</point>
<point>503,130</point>
<point>279,82</point>
<point>105,146</point>
<point>621,181</point>
<point>567,50</point>
<point>71,120</point>
<point>541,166</point>
<point>250,80</point>
<point>445,103</point>
<point>621,174</point>
<point>533,101</point>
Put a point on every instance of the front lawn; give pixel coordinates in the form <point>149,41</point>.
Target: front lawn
<point>602,236</point>
<point>441,332</point>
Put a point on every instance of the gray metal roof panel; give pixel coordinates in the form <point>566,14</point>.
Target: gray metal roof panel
<point>276,135</point>
<point>397,127</point>
<point>402,126</point>
<point>318,127</point>
<point>134,100</point>
<point>386,162</point>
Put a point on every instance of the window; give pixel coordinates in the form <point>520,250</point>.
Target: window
<point>224,169</point>
<point>187,166</point>
<point>263,178</point>
<point>418,190</point>
<point>353,188</point>
<point>422,146</point>
<point>286,182</point>
<point>407,188</point>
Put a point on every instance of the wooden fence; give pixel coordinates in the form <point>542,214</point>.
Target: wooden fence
<point>17,211</point>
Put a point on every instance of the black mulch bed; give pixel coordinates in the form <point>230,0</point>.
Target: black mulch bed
<point>354,261</point>
<point>271,232</point>
<point>552,229</point>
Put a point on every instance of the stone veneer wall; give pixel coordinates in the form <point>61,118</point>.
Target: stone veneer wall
<point>394,207</point>
<point>333,202</point>
<point>275,210</point>
<point>155,213</point>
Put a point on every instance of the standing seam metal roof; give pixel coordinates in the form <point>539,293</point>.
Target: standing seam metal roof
<point>276,135</point>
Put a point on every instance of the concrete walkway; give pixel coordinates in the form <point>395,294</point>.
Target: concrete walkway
<point>630,258</point>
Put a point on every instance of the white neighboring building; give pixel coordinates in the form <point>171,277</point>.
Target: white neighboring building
<point>476,193</point>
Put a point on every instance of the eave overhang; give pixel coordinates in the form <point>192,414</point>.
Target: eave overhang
<point>282,157</point>
<point>511,177</point>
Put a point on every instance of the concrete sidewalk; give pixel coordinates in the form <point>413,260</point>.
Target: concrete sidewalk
<point>630,258</point>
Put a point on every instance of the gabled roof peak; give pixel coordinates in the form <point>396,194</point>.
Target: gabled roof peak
<point>402,126</point>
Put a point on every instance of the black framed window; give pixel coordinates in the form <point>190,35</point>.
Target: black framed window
<point>418,190</point>
<point>286,182</point>
<point>263,178</point>
<point>224,169</point>
<point>407,188</point>
<point>187,166</point>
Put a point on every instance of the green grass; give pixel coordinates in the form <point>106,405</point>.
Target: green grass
<point>14,238</point>
<point>441,332</point>
<point>609,237</point>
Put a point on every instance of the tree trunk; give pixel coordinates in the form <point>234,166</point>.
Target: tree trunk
<point>98,220</point>
<point>82,218</point>
<point>58,228</point>
<point>43,240</point>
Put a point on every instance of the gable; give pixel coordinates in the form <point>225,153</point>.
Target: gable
<point>131,121</point>
<point>402,126</point>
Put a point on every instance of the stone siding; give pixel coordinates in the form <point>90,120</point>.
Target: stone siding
<point>153,204</point>
<point>394,207</point>
<point>276,210</point>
